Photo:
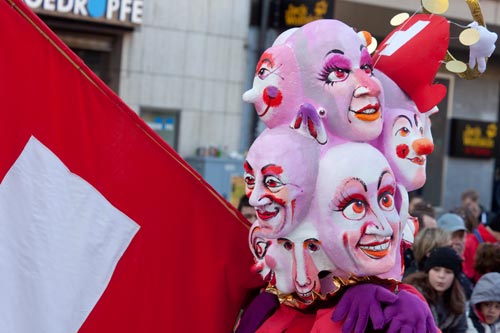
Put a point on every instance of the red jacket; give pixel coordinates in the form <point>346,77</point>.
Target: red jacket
<point>471,245</point>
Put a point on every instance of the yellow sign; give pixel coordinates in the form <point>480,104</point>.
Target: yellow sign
<point>297,15</point>
<point>473,136</point>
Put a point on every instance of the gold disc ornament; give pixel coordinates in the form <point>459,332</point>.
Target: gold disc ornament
<point>456,66</point>
<point>469,37</point>
<point>435,6</point>
<point>399,19</point>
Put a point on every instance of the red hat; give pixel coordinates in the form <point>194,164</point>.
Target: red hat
<point>411,56</point>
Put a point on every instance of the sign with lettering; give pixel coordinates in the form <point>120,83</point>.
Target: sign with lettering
<point>295,13</point>
<point>473,139</point>
<point>116,12</point>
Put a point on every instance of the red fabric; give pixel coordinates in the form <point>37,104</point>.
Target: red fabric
<point>471,245</point>
<point>294,321</point>
<point>291,320</point>
<point>188,265</point>
<point>409,61</point>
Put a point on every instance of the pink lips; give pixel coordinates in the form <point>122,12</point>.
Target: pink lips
<point>417,160</point>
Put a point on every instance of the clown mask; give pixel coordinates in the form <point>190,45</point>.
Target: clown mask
<point>280,173</point>
<point>276,92</point>
<point>296,261</point>
<point>337,79</point>
<point>357,220</point>
<point>406,139</point>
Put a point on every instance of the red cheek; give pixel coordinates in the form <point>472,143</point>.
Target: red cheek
<point>272,96</point>
<point>345,241</point>
<point>402,150</point>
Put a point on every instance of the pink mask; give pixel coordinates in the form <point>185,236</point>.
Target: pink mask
<point>276,92</point>
<point>280,173</point>
<point>294,261</point>
<point>357,218</point>
<point>406,139</point>
<point>336,75</point>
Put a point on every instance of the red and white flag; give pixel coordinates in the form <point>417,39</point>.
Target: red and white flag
<point>103,227</point>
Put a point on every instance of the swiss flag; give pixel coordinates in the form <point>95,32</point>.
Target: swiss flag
<point>103,227</point>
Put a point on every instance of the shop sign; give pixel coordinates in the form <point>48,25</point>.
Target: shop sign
<point>296,13</point>
<point>472,139</point>
<point>117,12</point>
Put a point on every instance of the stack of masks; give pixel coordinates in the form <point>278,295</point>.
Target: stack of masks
<point>347,137</point>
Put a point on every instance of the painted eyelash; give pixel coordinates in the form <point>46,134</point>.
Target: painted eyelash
<point>344,201</point>
<point>327,70</point>
<point>391,192</point>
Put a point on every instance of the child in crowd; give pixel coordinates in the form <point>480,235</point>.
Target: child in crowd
<point>455,226</point>
<point>484,313</point>
<point>442,290</point>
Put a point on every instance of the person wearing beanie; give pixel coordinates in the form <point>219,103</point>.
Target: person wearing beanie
<point>454,225</point>
<point>484,312</point>
<point>441,288</point>
<point>482,234</point>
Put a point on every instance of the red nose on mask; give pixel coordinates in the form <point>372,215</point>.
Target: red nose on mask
<point>423,146</point>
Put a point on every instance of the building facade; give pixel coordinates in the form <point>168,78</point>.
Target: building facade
<point>183,66</point>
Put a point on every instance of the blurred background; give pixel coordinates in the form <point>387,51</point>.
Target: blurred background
<point>183,66</point>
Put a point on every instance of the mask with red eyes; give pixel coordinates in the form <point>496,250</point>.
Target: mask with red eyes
<point>280,173</point>
<point>337,80</point>
<point>406,140</point>
<point>355,210</point>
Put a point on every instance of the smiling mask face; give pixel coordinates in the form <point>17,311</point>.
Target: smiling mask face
<point>337,78</point>
<point>280,174</point>
<point>357,219</point>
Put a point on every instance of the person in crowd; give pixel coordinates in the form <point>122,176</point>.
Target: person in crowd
<point>484,312</point>
<point>414,199</point>
<point>246,210</point>
<point>426,240</point>
<point>455,226</point>
<point>439,285</point>
<point>487,258</point>
<point>425,214</point>
<point>470,199</point>
<point>470,220</point>
<point>482,234</point>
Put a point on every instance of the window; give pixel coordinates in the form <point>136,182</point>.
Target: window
<point>100,52</point>
<point>163,122</point>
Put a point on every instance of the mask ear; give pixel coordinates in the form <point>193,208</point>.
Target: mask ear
<point>407,223</point>
<point>401,199</point>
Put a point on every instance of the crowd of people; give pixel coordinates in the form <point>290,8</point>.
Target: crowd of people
<point>455,264</point>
